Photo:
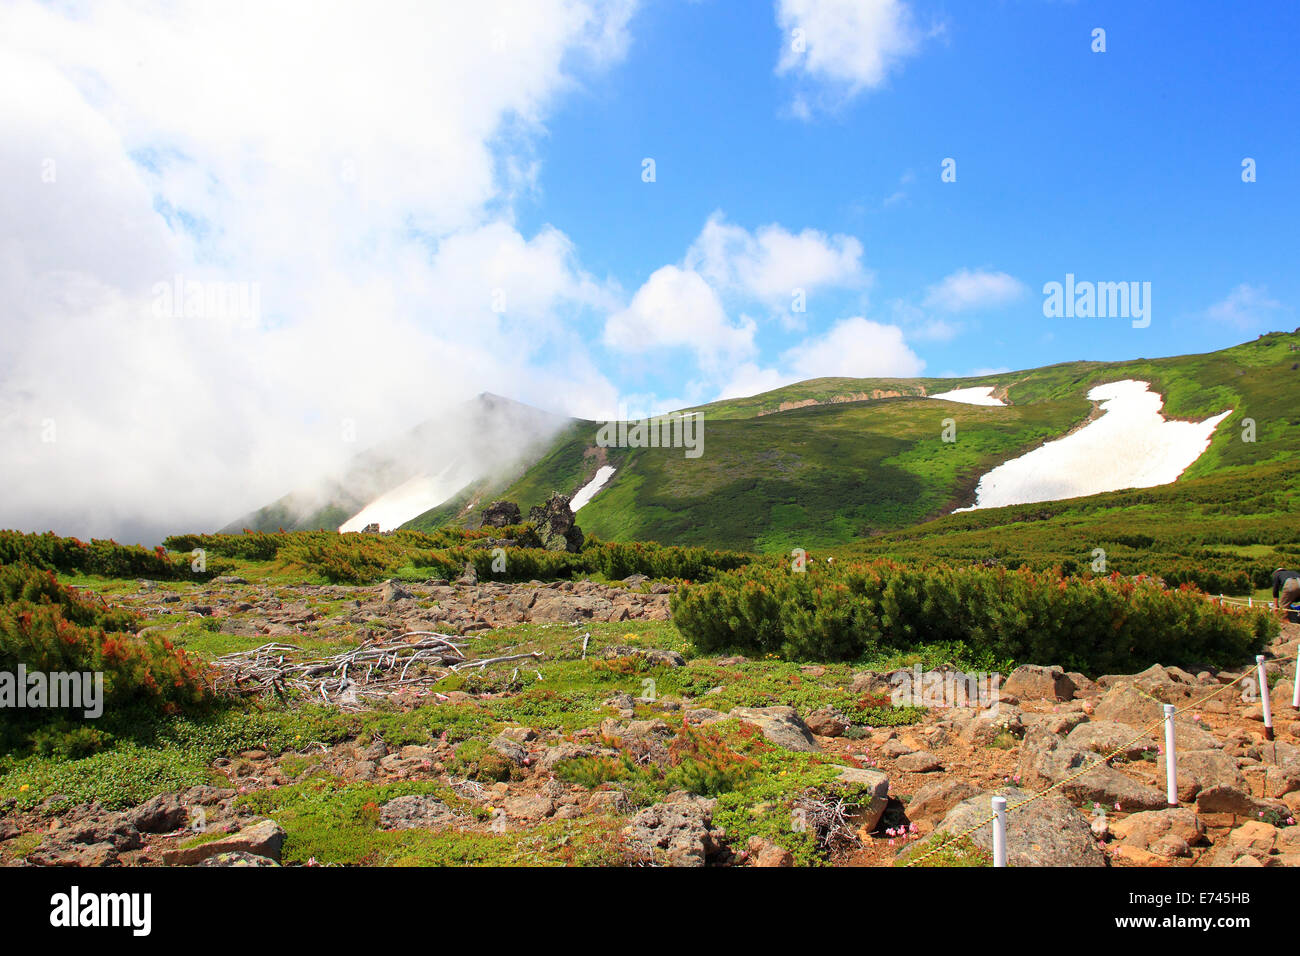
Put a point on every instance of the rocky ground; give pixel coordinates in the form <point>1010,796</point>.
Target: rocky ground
<point>581,763</point>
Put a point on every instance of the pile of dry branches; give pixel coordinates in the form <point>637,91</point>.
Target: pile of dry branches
<point>376,669</point>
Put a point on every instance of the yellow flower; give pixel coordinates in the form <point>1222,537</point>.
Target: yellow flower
<point>24,788</point>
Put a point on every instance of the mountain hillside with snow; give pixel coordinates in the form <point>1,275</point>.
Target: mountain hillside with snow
<point>833,461</point>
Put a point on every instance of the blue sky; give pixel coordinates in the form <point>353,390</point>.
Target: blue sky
<point>1122,165</point>
<point>243,242</point>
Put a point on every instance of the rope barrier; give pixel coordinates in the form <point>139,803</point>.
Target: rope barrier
<point>1143,735</point>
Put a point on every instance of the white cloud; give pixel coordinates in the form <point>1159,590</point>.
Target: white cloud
<point>852,348</point>
<point>856,348</point>
<point>750,379</point>
<point>968,289</point>
<point>677,308</point>
<point>1246,306</point>
<point>357,164</point>
<point>843,46</point>
<point>770,263</point>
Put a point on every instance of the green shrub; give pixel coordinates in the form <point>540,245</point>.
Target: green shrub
<point>1104,624</point>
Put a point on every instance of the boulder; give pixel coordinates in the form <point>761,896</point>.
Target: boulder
<point>1165,833</point>
<point>1106,736</point>
<point>1201,769</point>
<point>763,852</point>
<point>938,797</point>
<point>162,814</point>
<point>416,812</point>
<point>1046,832</point>
<point>922,761</point>
<point>1047,759</point>
<point>1229,799</point>
<point>876,799</point>
<point>500,514</point>
<point>780,725</point>
<point>555,525</point>
<point>672,834</point>
<point>827,722</point>
<point>1035,682</point>
<point>265,838</point>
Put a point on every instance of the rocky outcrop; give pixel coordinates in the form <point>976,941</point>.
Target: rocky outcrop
<point>555,524</point>
<point>501,514</point>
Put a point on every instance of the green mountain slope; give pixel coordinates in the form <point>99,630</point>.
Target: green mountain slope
<point>825,463</point>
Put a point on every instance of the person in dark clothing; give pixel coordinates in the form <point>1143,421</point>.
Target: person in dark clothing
<point>1286,587</point>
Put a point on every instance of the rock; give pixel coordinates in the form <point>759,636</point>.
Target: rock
<point>59,853</point>
<point>766,853</point>
<point>1254,839</point>
<point>1035,682</point>
<point>938,797</point>
<point>1047,759</point>
<point>470,575</point>
<point>988,725</point>
<point>372,528</point>
<point>391,591</point>
<point>529,808</point>
<point>509,749</point>
<point>1046,832</point>
<point>265,838</point>
<point>1056,723</point>
<point>1178,828</point>
<point>921,761</point>
<point>572,751</point>
<point>1201,769</point>
<point>635,580</point>
<point>780,725</point>
<point>827,722</point>
<point>1105,736</point>
<point>416,812</point>
<point>555,524</point>
<point>1125,704</point>
<point>672,834</point>
<point>162,814</point>
<point>893,749</point>
<point>875,786</point>
<point>238,858</point>
<point>501,514</point>
<point>1228,799</point>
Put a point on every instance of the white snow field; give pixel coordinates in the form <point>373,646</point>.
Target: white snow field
<point>410,499</point>
<point>588,491</point>
<point>980,395</point>
<point>1131,445</point>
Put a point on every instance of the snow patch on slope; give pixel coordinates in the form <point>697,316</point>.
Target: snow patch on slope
<point>411,499</point>
<point>588,491</point>
<point>1132,445</point>
<point>980,395</point>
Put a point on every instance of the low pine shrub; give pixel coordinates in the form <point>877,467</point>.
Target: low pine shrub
<point>1091,624</point>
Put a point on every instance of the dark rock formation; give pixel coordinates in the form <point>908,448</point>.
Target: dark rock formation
<point>555,524</point>
<point>500,514</point>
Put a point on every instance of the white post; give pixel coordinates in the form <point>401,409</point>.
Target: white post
<point>1263,697</point>
<point>999,831</point>
<point>1295,696</point>
<point>1171,758</point>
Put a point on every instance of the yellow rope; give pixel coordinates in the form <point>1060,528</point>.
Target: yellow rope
<point>1074,776</point>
